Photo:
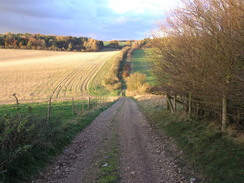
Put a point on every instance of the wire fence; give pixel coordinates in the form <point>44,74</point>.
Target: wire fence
<point>226,110</point>
<point>63,107</point>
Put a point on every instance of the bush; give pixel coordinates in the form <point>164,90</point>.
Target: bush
<point>136,84</point>
<point>111,83</point>
<point>112,80</point>
<point>20,134</point>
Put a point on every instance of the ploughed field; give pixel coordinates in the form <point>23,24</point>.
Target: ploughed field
<point>38,75</point>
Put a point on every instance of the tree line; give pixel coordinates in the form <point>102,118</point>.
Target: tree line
<point>198,55</point>
<point>49,42</point>
<point>57,43</point>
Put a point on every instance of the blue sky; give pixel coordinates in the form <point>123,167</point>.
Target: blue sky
<point>99,19</point>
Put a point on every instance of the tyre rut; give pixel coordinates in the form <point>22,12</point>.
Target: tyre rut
<point>143,156</point>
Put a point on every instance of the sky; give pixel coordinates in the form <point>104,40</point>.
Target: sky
<point>98,19</point>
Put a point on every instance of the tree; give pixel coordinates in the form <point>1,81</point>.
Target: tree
<point>29,44</point>
<point>70,47</point>
<point>92,45</point>
<point>202,52</point>
<point>40,41</point>
<point>20,44</point>
<point>128,43</point>
<point>1,41</point>
<point>137,44</point>
<point>113,44</point>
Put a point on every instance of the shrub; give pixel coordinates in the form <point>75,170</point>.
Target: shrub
<point>112,80</point>
<point>136,84</point>
<point>111,83</point>
<point>20,134</point>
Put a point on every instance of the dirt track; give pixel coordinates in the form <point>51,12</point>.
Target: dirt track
<point>144,155</point>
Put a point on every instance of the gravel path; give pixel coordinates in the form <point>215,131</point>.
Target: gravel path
<point>144,155</point>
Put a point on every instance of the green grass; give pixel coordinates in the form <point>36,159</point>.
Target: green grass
<point>140,63</point>
<point>29,141</point>
<point>108,167</point>
<point>121,43</point>
<point>95,87</point>
<point>63,108</point>
<point>219,159</point>
<point>108,170</point>
<point>110,74</point>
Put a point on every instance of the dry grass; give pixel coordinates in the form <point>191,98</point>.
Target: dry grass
<point>39,74</point>
<point>151,102</point>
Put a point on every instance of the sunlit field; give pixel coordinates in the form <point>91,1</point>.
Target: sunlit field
<point>140,63</point>
<point>35,75</point>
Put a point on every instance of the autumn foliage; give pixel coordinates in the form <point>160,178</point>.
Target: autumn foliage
<point>136,84</point>
<point>198,51</point>
<point>49,42</point>
<point>112,80</point>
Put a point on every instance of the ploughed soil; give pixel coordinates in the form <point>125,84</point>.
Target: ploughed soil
<point>146,155</point>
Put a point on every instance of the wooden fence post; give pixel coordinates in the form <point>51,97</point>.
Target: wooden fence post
<point>224,113</point>
<point>73,106</point>
<point>49,108</point>
<point>189,105</point>
<point>88,101</point>
<point>169,104</point>
<point>17,101</point>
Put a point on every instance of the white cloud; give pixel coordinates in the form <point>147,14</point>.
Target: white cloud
<point>142,6</point>
<point>103,19</point>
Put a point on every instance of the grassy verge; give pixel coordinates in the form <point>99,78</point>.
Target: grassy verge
<point>105,167</point>
<point>219,158</point>
<point>139,63</point>
<point>28,141</point>
<point>60,108</point>
<point>108,168</point>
